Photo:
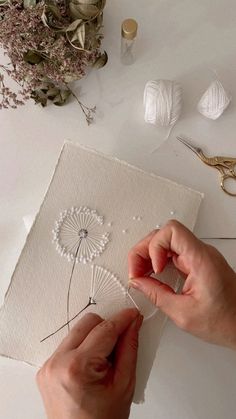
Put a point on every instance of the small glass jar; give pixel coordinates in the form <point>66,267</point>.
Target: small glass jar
<point>129,31</point>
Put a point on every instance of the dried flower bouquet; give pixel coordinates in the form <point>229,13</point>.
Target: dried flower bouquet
<point>50,43</point>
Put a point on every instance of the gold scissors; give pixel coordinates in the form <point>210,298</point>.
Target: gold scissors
<point>225,165</point>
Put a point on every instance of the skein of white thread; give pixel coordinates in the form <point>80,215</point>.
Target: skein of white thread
<point>214,101</point>
<point>162,103</point>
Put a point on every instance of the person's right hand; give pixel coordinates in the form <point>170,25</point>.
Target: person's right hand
<point>207,305</point>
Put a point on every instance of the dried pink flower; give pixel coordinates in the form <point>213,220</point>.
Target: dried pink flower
<point>45,53</point>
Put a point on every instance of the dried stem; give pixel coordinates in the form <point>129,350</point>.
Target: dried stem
<point>88,112</point>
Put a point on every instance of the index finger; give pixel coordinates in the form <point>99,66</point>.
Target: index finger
<point>79,332</point>
<point>139,261</point>
<point>152,253</point>
<point>174,238</point>
<point>103,338</point>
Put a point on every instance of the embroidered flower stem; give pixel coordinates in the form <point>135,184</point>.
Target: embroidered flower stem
<point>90,303</point>
<point>105,287</point>
<point>70,282</point>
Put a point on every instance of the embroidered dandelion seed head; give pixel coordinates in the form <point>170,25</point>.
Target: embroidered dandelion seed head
<point>106,287</point>
<point>78,236</point>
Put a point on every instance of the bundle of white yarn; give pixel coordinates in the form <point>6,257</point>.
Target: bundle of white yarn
<point>162,102</point>
<point>214,101</point>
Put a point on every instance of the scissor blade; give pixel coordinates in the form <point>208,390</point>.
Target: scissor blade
<point>196,150</point>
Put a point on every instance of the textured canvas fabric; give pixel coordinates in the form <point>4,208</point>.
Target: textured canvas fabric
<point>35,303</point>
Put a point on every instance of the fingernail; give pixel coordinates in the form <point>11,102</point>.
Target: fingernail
<point>157,270</point>
<point>133,284</point>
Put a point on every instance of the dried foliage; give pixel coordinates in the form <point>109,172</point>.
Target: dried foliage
<point>50,43</point>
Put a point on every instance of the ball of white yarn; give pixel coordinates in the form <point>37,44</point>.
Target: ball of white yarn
<point>162,102</point>
<point>214,101</point>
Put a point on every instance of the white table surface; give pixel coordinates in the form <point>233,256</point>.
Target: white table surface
<point>184,40</point>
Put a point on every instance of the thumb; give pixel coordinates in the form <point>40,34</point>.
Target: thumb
<point>161,295</point>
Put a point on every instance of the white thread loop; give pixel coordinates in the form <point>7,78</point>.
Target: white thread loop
<point>214,101</point>
<point>162,102</point>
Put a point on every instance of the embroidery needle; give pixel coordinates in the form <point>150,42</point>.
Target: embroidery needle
<point>131,298</point>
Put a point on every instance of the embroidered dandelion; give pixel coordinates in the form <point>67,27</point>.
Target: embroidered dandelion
<point>106,293</point>
<point>106,287</point>
<point>78,235</point>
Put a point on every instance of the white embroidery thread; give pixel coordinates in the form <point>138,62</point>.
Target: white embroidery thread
<point>77,235</point>
<point>104,287</point>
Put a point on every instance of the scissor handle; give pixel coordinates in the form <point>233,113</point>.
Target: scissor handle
<point>234,169</point>
<point>224,178</point>
<point>229,164</point>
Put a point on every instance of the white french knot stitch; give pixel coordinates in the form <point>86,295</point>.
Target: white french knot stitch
<point>162,102</point>
<point>214,101</point>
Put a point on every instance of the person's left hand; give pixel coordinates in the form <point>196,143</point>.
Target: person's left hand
<point>92,373</point>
